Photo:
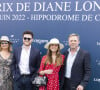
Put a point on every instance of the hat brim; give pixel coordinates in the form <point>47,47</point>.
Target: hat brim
<point>60,45</point>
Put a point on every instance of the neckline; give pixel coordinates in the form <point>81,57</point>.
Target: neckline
<point>5,58</point>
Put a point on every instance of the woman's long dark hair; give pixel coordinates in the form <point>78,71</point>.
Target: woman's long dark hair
<point>58,57</point>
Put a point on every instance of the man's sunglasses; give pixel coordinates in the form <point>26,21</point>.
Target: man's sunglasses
<point>25,38</point>
<point>4,42</point>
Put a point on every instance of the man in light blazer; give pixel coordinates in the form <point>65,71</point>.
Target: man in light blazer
<point>76,70</point>
<point>26,62</point>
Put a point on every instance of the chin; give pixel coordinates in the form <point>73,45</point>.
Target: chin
<point>27,44</point>
<point>54,51</point>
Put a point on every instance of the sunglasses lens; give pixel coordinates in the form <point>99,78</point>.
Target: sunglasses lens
<point>29,39</point>
<point>4,42</point>
<point>25,38</point>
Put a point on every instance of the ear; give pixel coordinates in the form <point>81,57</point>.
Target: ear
<point>79,42</point>
<point>32,39</point>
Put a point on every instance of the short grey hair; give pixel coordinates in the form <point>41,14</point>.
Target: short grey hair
<point>74,34</point>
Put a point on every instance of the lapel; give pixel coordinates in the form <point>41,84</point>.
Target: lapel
<point>76,59</point>
<point>66,56</point>
<point>19,53</point>
<point>30,57</point>
<point>31,54</point>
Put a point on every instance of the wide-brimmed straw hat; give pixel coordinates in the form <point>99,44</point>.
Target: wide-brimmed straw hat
<point>54,41</point>
<point>5,38</point>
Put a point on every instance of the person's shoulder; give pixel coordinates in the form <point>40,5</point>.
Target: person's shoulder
<point>17,48</point>
<point>65,52</point>
<point>35,49</point>
<point>84,51</point>
<point>11,55</point>
<point>44,56</point>
<point>62,56</point>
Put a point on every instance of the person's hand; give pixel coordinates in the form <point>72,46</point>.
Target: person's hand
<point>79,87</point>
<point>49,71</point>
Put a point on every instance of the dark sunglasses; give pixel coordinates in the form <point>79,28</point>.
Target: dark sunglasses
<point>4,42</point>
<point>25,38</point>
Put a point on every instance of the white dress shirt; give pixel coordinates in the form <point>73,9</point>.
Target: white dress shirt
<point>69,63</point>
<point>24,60</point>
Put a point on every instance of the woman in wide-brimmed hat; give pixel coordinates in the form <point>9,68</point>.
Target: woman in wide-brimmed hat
<point>51,64</point>
<point>5,61</point>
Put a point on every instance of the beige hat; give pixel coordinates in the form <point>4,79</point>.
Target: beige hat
<point>5,38</point>
<point>54,41</point>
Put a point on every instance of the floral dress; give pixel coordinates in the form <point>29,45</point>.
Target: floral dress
<point>53,79</point>
<point>5,73</point>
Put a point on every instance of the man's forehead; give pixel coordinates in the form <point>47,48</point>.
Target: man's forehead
<point>73,37</point>
<point>27,35</point>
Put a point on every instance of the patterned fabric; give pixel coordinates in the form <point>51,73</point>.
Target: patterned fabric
<point>53,79</point>
<point>5,73</point>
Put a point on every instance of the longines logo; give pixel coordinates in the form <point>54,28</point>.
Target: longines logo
<point>98,62</point>
<point>40,41</point>
<point>97,80</point>
<point>98,43</point>
<point>13,39</point>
